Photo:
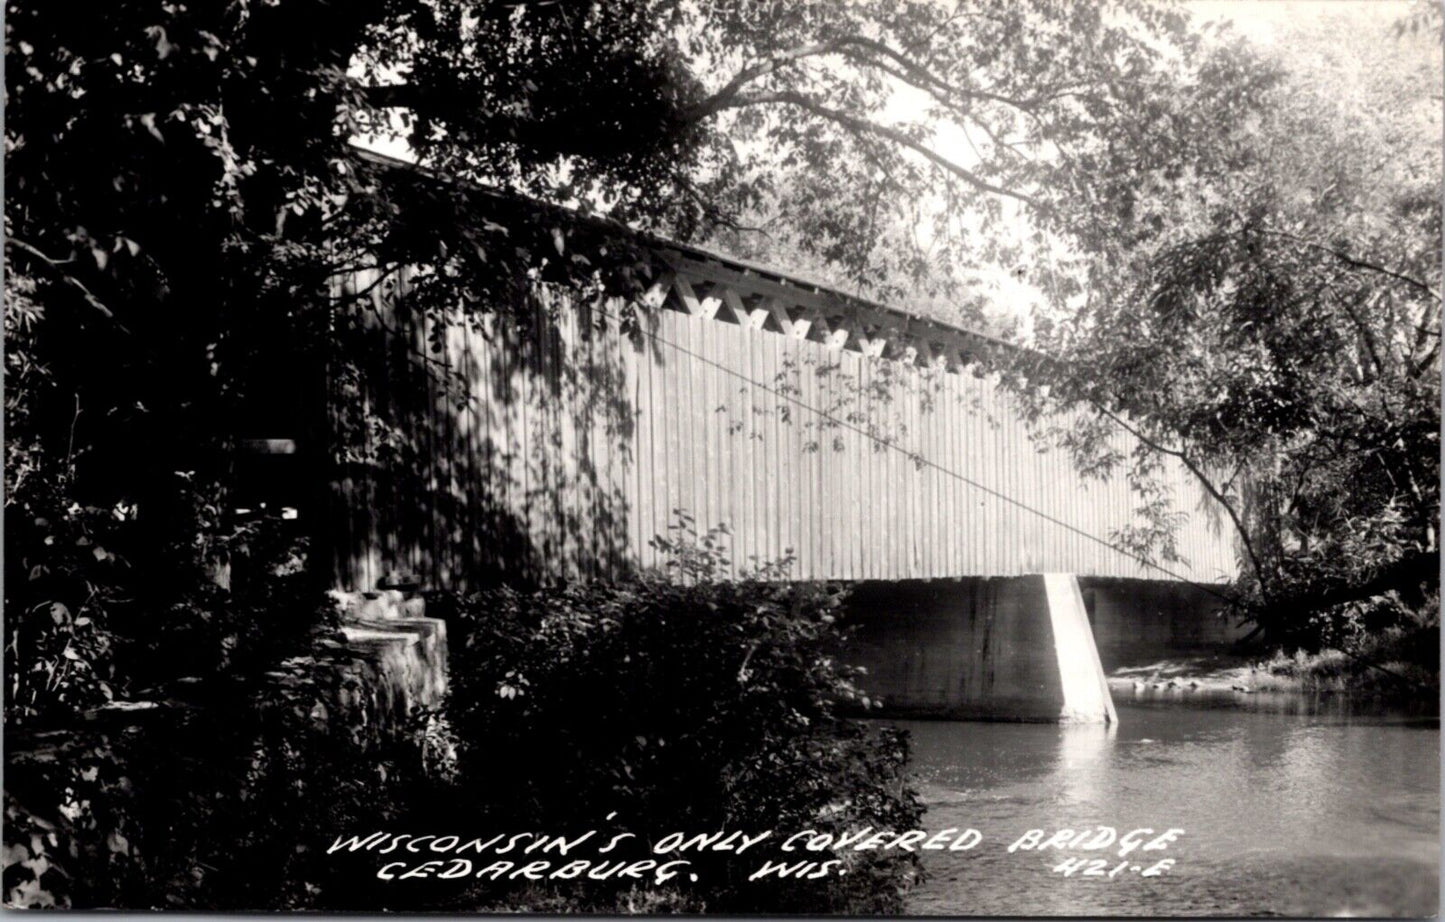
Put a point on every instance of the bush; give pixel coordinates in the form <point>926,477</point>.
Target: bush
<point>1400,663</point>
<point>122,576</point>
<point>685,704</point>
<point>676,701</point>
<point>224,807</point>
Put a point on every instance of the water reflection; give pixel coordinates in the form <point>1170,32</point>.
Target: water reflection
<point>1320,814</point>
<point>1322,703</point>
<point>1084,760</point>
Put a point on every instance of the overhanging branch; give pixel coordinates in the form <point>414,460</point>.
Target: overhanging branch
<point>868,53</point>
<point>1410,570</point>
<point>57,268</point>
<point>1354,261</point>
<point>862,126</point>
<point>1206,483</point>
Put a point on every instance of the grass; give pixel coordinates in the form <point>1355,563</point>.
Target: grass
<point>1337,671</point>
<point>1396,665</point>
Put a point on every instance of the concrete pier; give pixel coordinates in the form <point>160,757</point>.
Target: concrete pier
<point>1016,648</point>
<point>1082,683</point>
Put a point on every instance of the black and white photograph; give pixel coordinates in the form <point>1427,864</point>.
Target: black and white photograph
<point>740,458</point>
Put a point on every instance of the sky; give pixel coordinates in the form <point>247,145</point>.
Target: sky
<point>1265,21</point>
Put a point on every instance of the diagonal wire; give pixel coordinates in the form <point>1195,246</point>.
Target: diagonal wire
<point>922,461</point>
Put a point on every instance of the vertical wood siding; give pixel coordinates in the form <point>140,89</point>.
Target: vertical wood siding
<point>556,446</point>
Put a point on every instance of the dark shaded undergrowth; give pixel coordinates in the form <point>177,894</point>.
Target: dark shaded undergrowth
<point>671,703</point>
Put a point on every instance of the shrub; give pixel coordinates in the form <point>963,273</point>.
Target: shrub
<point>676,701</point>
<point>221,807</point>
<point>683,703</point>
<point>1399,661</point>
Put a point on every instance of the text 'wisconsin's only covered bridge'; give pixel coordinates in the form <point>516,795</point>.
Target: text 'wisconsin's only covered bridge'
<point>556,440</point>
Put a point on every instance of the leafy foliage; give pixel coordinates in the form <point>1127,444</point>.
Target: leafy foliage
<point>1246,272</point>
<point>208,253</point>
<point>692,705</point>
<point>1284,344</point>
<point>221,804</point>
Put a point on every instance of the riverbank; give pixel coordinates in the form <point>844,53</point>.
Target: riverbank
<point>1329,672</point>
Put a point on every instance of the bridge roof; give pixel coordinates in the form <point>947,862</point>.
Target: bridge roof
<point>857,323</point>
<point>968,494</point>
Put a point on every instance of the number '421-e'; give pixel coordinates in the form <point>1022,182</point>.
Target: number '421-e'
<point>1099,867</point>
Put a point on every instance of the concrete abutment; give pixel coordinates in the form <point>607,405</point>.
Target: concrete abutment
<point>1028,648</point>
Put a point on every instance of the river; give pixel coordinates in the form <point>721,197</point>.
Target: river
<point>1289,807</point>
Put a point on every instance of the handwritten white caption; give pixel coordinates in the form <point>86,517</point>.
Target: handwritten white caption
<point>594,854</point>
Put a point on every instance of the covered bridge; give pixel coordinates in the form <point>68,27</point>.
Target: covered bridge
<point>556,440</point>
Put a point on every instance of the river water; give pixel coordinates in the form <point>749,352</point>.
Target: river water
<point>1288,807</point>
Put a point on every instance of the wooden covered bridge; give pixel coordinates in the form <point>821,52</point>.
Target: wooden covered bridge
<point>869,443</point>
<point>866,444</point>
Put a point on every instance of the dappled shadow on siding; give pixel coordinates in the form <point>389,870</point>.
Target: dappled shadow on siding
<point>473,450</point>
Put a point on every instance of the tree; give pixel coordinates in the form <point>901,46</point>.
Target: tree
<point>826,123</point>
<point>183,195</point>
<point>1286,349</point>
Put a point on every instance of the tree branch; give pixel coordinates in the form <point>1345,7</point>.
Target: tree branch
<point>733,87</point>
<point>1205,482</point>
<point>863,126</point>
<point>916,75</point>
<point>1349,260</point>
<point>363,294</point>
<point>867,52</point>
<point>1412,568</point>
<point>56,268</point>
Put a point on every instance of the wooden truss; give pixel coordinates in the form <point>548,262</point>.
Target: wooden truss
<point>706,285</point>
<point>709,284</point>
